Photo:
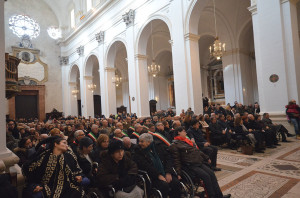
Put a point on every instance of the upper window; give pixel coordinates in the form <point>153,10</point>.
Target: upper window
<point>72,18</point>
<point>22,25</point>
<point>89,5</point>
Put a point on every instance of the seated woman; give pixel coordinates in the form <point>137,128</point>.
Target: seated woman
<point>53,172</point>
<point>101,145</point>
<point>86,161</point>
<point>156,161</point>
<point>187,156</point>
<point>117,169</point>
<point>24,150</point>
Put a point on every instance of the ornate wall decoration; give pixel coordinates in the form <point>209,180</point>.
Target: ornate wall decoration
<point>80,50</point>
<point>100,37</point>
<point>274,78</point>
<point>63,60</point>
<point>31,70</point>
<point>128,17</point>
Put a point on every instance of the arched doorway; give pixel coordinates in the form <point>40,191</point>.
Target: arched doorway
<point>75,97</point>
<point>92,81</point>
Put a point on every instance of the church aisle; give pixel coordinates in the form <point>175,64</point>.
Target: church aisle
<point>276,173</point>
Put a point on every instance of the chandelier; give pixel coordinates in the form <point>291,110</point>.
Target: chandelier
<point>54,32</point>
<point>92,87</point>
<point>22,25</point>
<point>217,48</point>
<point>117,80</point>
<point>154,68</point>
<point>75,92</point>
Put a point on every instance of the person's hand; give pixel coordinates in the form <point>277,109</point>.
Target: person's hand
<point>38,189</point>
<point>168,177</point>
<point>267,127</point>
<point>78,179</point>
<point>162,178</point>
<point>230,131</point>
<point>209,161</point>
<point>250,130</point>
<point>179,177</point>
<point>224,132</point>
<point>193,140</point>
<point>206,144</point>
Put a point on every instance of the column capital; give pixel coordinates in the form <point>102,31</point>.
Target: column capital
<point>63,60</point>
<point>191,37</point>
<point>128,17</point>
<point>80,50</point>
<point>110,69</point>
<point>72,84</point>
<point>140,57</point>
<point>253,9</point>
<point>100,37</point>
<point>88,77</point>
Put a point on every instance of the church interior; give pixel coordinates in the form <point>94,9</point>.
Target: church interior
<point>133,72</point>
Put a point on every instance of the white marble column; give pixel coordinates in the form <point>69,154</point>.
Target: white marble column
<point>73,109</point>
<point>111,104</point>
<point>103,90</point>
<point>89,96</point>
<point>3,150</point>
<point>193,75</point>
<point>151,88</point>
<point>142,82</point>
<point>125,93</point>
<point>276,53</point>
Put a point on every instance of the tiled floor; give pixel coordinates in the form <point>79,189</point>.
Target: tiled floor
<point>276,173</point>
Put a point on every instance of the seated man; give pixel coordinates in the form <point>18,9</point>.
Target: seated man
<point>196,135</point>
<point>137,132</point>
<point>118,135</point>
<point>79,134</point>
<point>158,165</point>
<point>218,134</point>
<point>117,169</point>
<point>188,157</point>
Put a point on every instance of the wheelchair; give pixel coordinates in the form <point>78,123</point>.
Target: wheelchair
<point>191,185</point>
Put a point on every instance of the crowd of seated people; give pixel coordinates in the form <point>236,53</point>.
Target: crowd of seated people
<point>65,157</point>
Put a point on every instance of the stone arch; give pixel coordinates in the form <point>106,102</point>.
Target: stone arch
<point>145,32</point>
<point>74,71</point>
<point>111,52</point>
<point>88,63</point>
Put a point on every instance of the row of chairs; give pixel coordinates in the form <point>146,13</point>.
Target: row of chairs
<point>189,187</point>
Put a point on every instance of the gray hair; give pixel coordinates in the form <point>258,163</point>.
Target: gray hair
<point>146,137</point>
<point>137,126</point>
<point>95,126</point>
<point>76,134</point>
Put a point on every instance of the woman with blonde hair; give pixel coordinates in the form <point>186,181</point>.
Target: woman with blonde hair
<point>101,145</point>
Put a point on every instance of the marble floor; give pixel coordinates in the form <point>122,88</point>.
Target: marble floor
<point>275,173</point>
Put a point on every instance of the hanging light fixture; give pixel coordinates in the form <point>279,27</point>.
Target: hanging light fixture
<point>117,80</point>
<point>154,68</point>
<point>92,87</point>
<point>54,32</point>
<point>75,92</point>
<point>217,48</point>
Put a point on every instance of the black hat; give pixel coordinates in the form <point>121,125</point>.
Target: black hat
<point>114,146</point>
<point>85,142</point>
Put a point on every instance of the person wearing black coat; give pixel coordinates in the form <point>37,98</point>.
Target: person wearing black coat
<point>156,160</point>
<point>218,132</point>
<point>196,135</point>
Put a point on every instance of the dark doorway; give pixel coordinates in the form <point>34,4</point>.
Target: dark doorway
<point>97,106</point>
<point>79,107</point>
<point>26,106</point>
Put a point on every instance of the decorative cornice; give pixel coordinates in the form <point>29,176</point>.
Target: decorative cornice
<point>110,69</point>
<point>63,60</point>
<point>80,50</point>
<point>237,51</point>
<point>128,17</point>
<point>140,57</point>
<point>100,37</point>
<point>191,37</point>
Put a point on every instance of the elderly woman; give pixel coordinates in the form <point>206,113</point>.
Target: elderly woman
<point>53,172</point>
<point>187,156</point>
<point>117,169</point>
<point>157,163</point>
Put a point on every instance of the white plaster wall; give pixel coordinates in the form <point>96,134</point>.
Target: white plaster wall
<point>50,51</point>
<point>161,92</point>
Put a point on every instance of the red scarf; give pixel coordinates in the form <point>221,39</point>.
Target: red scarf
<point>184,139</point>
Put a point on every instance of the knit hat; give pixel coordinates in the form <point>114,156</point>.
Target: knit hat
<point>114,146</point>
<point>85,142</point>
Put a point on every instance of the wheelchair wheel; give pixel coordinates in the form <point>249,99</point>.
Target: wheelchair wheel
<point>189,184</point>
